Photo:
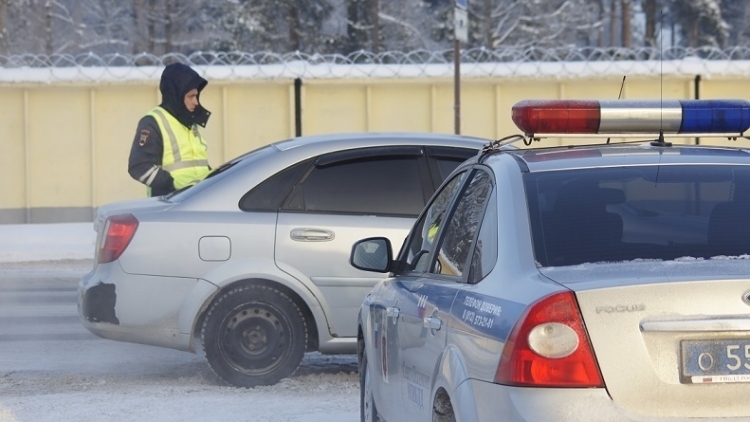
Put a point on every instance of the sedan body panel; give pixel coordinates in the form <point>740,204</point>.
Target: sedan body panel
<point>325,262</point>
<point>247,235</point>
<point>254,258</point>
<point>655,321</point>
<point>115,308</point>
<point>379,313</point>
<point>424,306</point>
<point>523,404</point>
<point>153,204</point>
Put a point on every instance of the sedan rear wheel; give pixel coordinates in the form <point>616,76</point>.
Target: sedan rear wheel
<point>368,411</point>
<point>254,335</point>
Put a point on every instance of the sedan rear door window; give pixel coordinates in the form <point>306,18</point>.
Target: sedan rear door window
<point>377,186</point>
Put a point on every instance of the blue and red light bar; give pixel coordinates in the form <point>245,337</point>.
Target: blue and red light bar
<point>688,117</point>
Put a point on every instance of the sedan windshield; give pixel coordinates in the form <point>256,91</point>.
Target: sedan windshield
<point>662,212</point>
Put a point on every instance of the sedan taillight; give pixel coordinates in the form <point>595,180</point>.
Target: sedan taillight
<point>549,347</point>
<point>119,231</point>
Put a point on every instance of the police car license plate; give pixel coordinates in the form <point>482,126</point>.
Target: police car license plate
<point>716,361</point>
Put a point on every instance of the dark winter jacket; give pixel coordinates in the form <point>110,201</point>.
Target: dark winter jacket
<point>147,150</point>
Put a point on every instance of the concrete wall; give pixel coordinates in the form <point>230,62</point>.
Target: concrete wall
<point>66,145</point>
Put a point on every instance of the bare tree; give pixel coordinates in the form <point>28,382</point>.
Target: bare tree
<point>281,26</point>
<point>363,24</point>
<point>343,26</point>
<point>3,26</point>
<point>170,15</point>
<point>649,9</point>
<point>375,24</point>
<point>542,23</point>
<point>151,26</point>
<point>626,34</point>
<point>737,14</point>
<point>700,22</point>
<point>139,24</point>
<point>612,23</point>
<point>107,26</point>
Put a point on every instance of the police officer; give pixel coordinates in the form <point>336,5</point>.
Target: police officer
<point>169,151</point>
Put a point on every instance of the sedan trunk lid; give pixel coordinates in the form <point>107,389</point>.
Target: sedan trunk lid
<point>131,206</point>
<point>672,338</point>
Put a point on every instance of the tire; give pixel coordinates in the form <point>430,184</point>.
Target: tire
<point>368,412</point>
<point>254,335</point>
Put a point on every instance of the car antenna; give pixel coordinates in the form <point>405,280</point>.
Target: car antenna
<point>619,96</point>
<point>659,142</point>
<point>622,85</point>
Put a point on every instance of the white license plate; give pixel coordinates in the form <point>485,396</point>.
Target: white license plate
<point>715,361</point>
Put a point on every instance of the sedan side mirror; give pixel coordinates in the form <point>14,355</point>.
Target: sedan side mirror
<point>372,254</point>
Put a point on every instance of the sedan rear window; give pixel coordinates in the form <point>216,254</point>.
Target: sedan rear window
<point>662,212</point>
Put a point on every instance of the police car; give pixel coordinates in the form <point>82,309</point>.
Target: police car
<point>600,281</point>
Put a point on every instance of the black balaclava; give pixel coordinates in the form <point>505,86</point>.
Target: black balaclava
<point>176,80</point>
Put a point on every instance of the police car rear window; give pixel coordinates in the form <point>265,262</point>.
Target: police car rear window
<point>662,212</point>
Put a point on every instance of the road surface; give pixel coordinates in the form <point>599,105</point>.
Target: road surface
<point>53,369</point>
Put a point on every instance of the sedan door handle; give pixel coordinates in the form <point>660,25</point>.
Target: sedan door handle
<point>432,323</point>
<point>392,312</point>
<point>311,235</point>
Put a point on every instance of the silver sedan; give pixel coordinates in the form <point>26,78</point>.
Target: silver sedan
<point>252,262</point>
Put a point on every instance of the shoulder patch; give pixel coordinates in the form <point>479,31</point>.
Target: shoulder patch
<point>145,133</point>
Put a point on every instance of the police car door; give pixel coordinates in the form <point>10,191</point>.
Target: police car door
<point>382,350</point>
<point>398,300</point>
<point>423,327</point>
<point>426,301</point>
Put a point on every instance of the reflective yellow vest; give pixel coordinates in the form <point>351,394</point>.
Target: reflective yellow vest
<point>185,150</point>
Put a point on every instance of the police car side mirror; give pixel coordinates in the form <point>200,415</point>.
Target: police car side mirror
<point>372,254</point>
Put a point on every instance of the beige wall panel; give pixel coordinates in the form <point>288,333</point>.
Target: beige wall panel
<point>653,88</point>
<point>64,179</point>
<point>400,107</point>
<point>442,111</point>
<point>478,109</point>
<point>725,88</point>
<point>591,89</point>
<point>60,147</point>
<point>332,107</point>
<point>13,157</point>
<point>257,114</point>
<point>117,110</point>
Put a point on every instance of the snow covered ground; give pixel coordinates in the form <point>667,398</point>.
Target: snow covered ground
<point>46,242</point>
<point>75,376</point>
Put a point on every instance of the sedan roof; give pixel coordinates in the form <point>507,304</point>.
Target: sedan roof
<point>380,138</point>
